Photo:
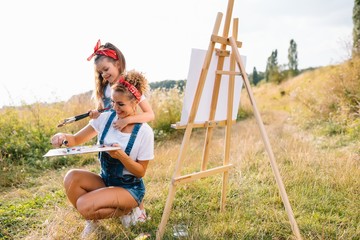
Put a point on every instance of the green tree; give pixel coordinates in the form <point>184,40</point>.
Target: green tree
<point>272,72</point>
<point>356,29</point>
<point>168,84</point>
<point>293,58</point>
<point>255,76</point>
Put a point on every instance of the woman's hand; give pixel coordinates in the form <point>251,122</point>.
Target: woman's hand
<point>115,153</point>
<point>94,114</point>
<point>58,139</point>
<point>138,168</point>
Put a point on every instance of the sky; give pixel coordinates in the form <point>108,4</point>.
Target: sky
<point>44,44</point>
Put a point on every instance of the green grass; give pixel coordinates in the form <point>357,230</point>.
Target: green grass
<point>322,186</point>
<point>318,160</point>
<point>25,214</point>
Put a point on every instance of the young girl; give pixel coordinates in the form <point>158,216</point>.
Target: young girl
<point>109,65</point>
<point>119,188</point>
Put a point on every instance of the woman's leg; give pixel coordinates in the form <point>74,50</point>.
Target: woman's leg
<point>105,203</point>
<point>78,182</point>
<point>141,206</point>
<point>89,195</point>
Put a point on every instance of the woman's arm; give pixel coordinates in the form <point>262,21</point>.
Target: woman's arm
<point>147,115</point>
<point>82,136</point>
<point>138,168</point>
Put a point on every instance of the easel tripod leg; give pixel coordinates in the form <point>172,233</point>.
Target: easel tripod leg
<point>166,213</point>
<point>223,192</point>
<point>265,138</point>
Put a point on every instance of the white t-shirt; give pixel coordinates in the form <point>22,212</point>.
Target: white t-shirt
<point>143,148</point>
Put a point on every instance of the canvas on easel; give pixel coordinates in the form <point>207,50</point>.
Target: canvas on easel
<point>202,110</point>
<point>203,113</point>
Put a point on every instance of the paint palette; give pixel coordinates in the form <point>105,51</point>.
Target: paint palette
<point>79,150</point>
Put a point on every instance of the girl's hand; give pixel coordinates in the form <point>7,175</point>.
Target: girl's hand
<point>94,114</point>
<point>120,124</point>
<point>58,139</point>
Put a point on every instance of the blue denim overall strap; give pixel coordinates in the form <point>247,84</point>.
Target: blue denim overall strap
<point>106,100</point>
<point>132,138</point>
<point>107,126</point>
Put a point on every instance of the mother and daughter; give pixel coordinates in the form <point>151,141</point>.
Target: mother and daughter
<point>118,190</point>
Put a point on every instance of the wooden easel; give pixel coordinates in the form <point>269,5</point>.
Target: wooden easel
<point>235,58</point>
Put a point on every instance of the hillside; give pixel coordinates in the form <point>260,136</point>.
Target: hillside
<point>319,167</point>
<point>325,102</point>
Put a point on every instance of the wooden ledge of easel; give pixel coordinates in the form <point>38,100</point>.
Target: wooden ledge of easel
<point>194,176</point>
<point>225,41</point>
<point>222,53</point>
<point>206,124</point>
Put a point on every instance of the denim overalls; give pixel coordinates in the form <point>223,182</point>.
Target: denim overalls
<point>106,100</point>
<point>112,169</point>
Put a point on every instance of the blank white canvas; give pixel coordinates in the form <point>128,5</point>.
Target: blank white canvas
<point>203,113</point>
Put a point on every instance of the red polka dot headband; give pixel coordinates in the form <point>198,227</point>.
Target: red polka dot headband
<point>103,51</point>
<point>131,88</point>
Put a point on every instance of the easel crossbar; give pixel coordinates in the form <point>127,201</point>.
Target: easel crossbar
<point>223,40</point>
<point>195,176</point>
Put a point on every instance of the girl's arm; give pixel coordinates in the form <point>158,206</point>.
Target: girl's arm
<point>82,136</point>
<point>147,115</point>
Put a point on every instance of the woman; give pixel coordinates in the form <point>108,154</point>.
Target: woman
<point>119,188</point>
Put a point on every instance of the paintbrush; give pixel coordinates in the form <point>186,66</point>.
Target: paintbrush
<point>79,117</point>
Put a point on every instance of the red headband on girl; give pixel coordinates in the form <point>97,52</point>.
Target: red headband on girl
<point>131,88</point>
<point>104,51</point>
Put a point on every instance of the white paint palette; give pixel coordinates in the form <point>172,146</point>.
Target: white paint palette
<point>79,150</point>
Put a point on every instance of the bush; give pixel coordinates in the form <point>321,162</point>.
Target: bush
<point>167,106</point>
<point>25,137</point>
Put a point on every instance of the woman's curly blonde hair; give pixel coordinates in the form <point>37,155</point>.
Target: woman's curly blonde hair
<point>135,78</point>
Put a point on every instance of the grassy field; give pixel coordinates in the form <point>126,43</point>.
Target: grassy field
<point>320,172</point>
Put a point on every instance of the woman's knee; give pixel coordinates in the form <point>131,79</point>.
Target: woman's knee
<point>84,208</point>
<point>71,177</point>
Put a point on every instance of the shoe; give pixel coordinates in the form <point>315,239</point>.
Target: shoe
<point>142,217</point>
<point>126,220</point>
<point>90,227</point>
<point>136,215</point>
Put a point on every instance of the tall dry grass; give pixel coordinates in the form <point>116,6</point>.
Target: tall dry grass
<point>321,182</point>
<point>167,106</point>
<point>330,99</point>
<point>322,186</point>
